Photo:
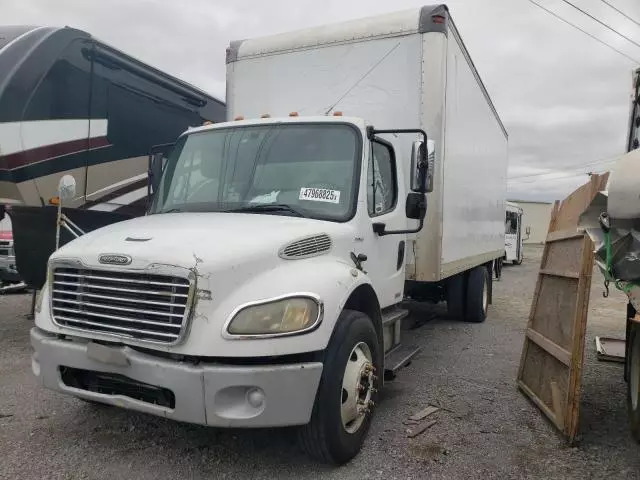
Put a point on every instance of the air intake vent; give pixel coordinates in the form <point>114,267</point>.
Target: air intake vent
<point>306,247</point>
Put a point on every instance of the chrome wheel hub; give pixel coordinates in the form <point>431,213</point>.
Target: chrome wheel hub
<point>357,388</point>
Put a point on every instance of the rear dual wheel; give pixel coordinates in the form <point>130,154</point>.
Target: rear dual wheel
<point>467,295</point>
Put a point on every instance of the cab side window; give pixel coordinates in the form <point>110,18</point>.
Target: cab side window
<point>382,189</point>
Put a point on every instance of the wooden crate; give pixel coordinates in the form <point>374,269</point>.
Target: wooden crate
<point>552,356</point>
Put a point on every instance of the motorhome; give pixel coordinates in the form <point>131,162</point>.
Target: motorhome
<point>362,164</point>
<point>71,104</point>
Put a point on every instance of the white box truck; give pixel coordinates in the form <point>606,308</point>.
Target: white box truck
<point>264,287</point>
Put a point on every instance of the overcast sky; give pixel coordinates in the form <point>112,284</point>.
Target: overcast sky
<point>563,97</point>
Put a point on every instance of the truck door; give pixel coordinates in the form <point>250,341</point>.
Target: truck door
<point>519,238</point>
<point>386,254</point>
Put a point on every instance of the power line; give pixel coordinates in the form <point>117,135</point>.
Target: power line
<point>629,39</point>
<point>622,13</point>
<point>569,168</point>
<point>563,177</point>
<point>583,31</point>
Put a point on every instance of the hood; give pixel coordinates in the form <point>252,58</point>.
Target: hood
<point>207,239</point>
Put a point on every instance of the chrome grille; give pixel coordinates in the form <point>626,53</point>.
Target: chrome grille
<point>306,247</point>
<point>126,304</point>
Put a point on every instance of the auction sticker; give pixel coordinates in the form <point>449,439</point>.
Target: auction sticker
<point>319,195</point>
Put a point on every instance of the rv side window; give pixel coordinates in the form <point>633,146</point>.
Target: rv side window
<point>64,91</point>
<point>381,180</point>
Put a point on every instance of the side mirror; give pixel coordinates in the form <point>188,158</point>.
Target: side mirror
<point>416,207</point>
<point>156,166</point>
<point>157,161</point>
<point>66,188</point>
<point>416,152</point>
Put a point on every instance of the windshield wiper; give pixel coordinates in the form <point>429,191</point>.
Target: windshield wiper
<point>171,210</point>
<point>270,207</point>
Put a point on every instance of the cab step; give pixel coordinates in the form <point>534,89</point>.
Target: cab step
<point>393,314</point>
<point>397,358</point>
<point>392,327</point>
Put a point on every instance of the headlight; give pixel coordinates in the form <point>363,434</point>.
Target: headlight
<point>285,316</point>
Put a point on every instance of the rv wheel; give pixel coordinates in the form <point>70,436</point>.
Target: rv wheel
<point>346,396</point>
<point>633,385</point>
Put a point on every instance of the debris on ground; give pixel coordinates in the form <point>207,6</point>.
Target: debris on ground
<point>422,414</point>
<point>610,349</point>
<point>421,428</point>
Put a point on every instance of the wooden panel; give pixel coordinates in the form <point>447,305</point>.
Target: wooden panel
<point>543,342</point>
<point>552,355</point>
<point>564,255</point>
<point>559,273</point>
<point>542,369</point>
<point>563,235</point>
<point>576,203</point>
<point>553,317</point>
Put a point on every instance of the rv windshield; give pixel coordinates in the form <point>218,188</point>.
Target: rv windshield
<point>305,170</point>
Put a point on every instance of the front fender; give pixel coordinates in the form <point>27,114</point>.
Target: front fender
<point>329,278</point>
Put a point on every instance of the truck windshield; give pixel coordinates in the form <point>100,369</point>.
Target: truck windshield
<point>287,169</point>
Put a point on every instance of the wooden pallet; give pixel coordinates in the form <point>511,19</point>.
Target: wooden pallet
<point>552,356</point>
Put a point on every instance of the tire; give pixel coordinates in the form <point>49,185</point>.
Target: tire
<point>518,262</point>
<point>478,291</point>
<point>325,437</point>
<point>633,385</point>
<point>498,268</point>
<point>455,293</point>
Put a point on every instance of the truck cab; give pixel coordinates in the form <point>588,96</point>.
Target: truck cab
<point>249,272</point>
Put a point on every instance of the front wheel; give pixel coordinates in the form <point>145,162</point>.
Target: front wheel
<point>633,384</point>
<point>348,389</point>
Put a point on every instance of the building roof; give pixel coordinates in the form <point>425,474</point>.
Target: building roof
<point>529,201</point>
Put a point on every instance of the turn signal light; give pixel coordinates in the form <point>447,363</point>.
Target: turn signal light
<point>239,117</point>
<point>265,115</point>
<point>438,19</point>
<point>293,114</point>
<point>337,114</point>
<point>54,201</point>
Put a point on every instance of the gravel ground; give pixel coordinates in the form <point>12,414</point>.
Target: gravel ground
<point>488,430</point>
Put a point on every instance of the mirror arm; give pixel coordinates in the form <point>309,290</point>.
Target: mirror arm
<point>422,165</point>
<point>379,228</point>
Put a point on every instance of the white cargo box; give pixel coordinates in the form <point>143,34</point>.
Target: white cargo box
<point>402,70</point>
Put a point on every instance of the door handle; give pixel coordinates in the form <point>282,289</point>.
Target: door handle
<point>400,255</point>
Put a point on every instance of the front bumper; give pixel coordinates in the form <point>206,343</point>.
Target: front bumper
<point>209,394</point>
